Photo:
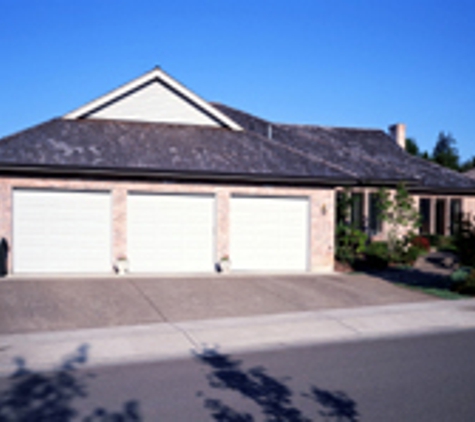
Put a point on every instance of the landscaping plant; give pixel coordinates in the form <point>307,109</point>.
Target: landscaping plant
<point>467,286</point>
<point>377,255</point>
<point>349,240</point>
<point>350,243</point>
<point>402,218</point>
<point>464,242</point>
<point>421,243</point>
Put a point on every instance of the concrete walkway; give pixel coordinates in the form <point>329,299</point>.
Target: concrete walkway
<point>174,340</point>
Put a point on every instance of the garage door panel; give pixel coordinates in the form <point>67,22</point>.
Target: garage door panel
<point>269,233</point>
<point>170,233</point>
<point>61,231</point>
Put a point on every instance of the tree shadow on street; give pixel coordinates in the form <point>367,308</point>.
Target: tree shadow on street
<point>272,395</point>
<point>48,397</point>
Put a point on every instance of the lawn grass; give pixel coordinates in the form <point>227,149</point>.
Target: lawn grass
<point>439,292</point>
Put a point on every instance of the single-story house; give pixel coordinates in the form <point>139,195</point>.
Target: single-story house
<point>153,174</point>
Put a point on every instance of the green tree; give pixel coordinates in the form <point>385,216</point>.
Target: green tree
<point>445,153</point>
<point>467,165</point>
<point>412,147</point>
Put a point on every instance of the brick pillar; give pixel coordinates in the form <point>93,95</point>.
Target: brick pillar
<point>222,224</point>
<point>119,223</point>
<point>322,230</point>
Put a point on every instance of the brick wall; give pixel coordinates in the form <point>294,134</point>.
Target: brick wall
<point>321,248</point>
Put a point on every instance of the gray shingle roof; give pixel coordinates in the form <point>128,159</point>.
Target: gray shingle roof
<point>159,148</point>
<point>470,173</point>
<point>263,151</point>
<point>370,155</point>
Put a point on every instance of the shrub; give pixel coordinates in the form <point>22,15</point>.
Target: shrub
<point>410,255</point>
<point>446,243</point>
<point>421,243</point>
<point>377,255</point>
<point>466,287</point>
<point>350,243</point>
<point>460,275</point>
<point>433,239</point>
<point>464,242</point>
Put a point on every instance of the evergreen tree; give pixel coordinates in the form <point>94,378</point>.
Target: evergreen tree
<point>412,147</point>
<point>445,153</point>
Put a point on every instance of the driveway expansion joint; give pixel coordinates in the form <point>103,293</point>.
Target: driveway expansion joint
<point>177,328</point>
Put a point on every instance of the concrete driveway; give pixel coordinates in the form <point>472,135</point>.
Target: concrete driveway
<point>31,305</point>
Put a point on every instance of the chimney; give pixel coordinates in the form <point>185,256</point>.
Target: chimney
<point>269,131</point>
<point>398,133</point>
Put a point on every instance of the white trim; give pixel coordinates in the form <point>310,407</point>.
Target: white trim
<point>161,76</point>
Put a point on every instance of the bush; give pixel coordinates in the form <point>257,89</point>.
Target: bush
<point>460,275</point>
<point>464,242</point>
<point>441,242</point>
<point>377,255</point>
<point>350,243</point>
<point>433,240</point>
<point>466,287</point>
<point>421,243</point>
<point>446,243</point>
<point>410,255</point>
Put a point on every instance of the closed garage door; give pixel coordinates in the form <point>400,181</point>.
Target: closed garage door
<point>269,234</point>
<point>61,231</point>
<point>170,233</point>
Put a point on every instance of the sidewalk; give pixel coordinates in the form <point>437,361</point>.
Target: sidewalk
<point>159,341</point>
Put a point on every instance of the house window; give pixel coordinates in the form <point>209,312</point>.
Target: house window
<point>440,222</point>
<point>455,215</point>
<point>340,208</point>
<point>357,210</point>
<point>424,210</point>
<point>375,225</point>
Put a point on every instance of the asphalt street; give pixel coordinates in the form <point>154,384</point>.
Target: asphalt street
<point>424,377</point>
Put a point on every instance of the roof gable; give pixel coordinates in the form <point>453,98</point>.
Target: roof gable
<point>154,97</point>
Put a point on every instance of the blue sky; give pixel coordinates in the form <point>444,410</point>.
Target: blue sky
<point>355,63</point>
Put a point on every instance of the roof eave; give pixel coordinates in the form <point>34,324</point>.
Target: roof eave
<point>428,190</point>
<point>124,173</point>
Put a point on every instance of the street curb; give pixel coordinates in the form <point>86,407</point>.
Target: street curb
<point>162,341</point>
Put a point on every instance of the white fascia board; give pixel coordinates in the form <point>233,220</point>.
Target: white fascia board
<point>144,79</point>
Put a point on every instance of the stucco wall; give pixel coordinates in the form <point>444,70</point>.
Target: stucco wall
<point>321,248</point>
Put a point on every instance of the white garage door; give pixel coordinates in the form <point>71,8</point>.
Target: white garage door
<point>61,231</point>
<point>170,233</point>
<point>269,234</point>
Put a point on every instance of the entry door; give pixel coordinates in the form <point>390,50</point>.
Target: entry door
<point>269,234</point>
<point>170,233</point>
<point>61,232</point>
